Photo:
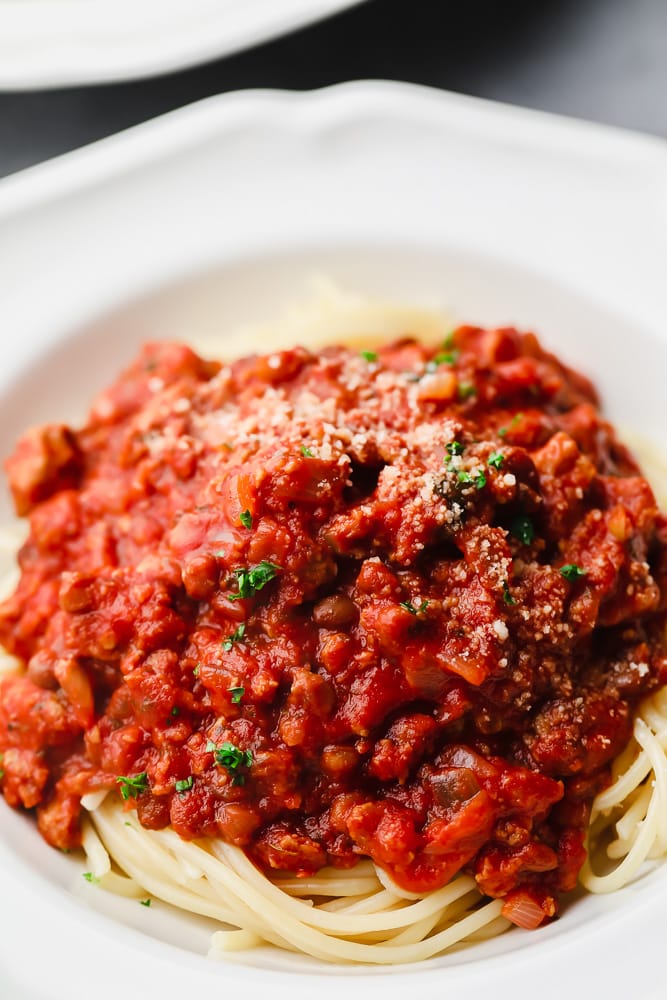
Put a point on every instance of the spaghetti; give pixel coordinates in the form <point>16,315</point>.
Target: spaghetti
<point>347,916</point>
<point>400,605</point>
<point>376,923</point>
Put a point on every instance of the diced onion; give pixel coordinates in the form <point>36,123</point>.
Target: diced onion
<point>523,911</point>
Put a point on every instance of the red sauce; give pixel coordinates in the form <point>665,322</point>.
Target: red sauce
<point>331,606</point>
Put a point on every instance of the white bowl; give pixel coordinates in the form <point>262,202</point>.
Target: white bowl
<point>217,214</point>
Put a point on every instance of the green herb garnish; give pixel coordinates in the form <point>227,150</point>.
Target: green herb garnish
<point>245,517</point>
<point>454,448</point>
<point>236,636</point>
<point>145,902</point>
<point>185,785</point>
<point>231,758</point>
<point>306,452</point>
<point>369,356</point>
<point>443,358</point>
<point>196,670</point>
<point>502,431</point>
<point>496,459</point>
<point>236,693</point>
<point>507,596</point>
<point>89,877</point>
<point>572,572</point>
<point>478,480</point>
<point>252,580</point>
<point>132,786</point>
<point>414,610</point>
<point>466,390</point>
<point>522,528</point>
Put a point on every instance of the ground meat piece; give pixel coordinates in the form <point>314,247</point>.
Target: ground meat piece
<point>25,775</point>
<point>46,459</point>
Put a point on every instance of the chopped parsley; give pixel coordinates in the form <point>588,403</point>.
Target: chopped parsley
<point>236,693</point>
<point>409,606</point>
<point>245,517</point>
<point>252,580</point>
<point>231,758</point>
<point>369,356</point>
<point>507,596</point>
<point>236,636</point>
<point>572,572</point>
<point>185,785</point>
<point>175,710</point>
<point>478,480</point>
<point>454,448</point>
<point>502,431</point>
<point>196,670</point>
<point>132,786</point>
<point>522,528</point>
<point>145,902</point>
<point>448,342</point>
<point>496,459</point>
<point>443,358</point>
<point>89,877</point>
<point>466,390</point>
<point>306,452</point>
<point>447,357</point>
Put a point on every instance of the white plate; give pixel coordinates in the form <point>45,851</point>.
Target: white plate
<point>59,43</point>
<point>215,214</point>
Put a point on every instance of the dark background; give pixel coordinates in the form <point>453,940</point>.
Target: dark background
<point>604,60</point>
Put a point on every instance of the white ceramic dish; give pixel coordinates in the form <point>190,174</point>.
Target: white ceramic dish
<point>216,214</point>
<point>60,43</point>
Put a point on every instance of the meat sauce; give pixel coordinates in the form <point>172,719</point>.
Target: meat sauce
<point>397,605</point>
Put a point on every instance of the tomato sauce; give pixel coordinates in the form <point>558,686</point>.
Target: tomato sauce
<point>398,605</point>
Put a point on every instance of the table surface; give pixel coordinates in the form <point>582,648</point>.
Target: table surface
<point>603,60</point>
